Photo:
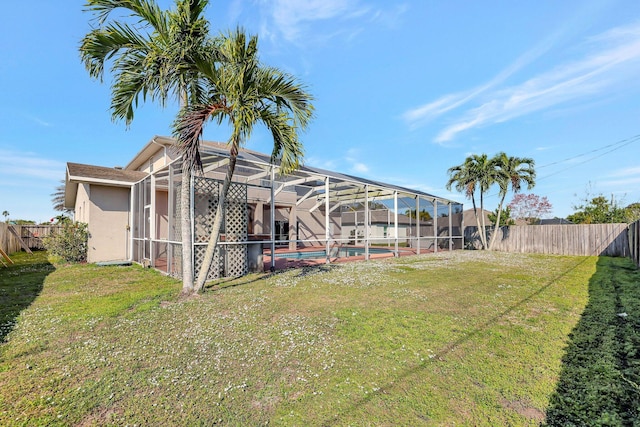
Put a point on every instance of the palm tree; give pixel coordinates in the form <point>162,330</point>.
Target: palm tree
<point>154,57</point>
<point>6,215</point>
<point>244,93</point>
<point>476,173</point>
<point>511,172</point>
<point>57,198</point>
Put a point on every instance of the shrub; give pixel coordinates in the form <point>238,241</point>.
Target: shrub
<point>69,243</point>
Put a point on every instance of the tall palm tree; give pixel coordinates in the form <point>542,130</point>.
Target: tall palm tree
<point>245,93</point>
<point>511,172</point>
<point>476,173</point>
<point>153,54</point>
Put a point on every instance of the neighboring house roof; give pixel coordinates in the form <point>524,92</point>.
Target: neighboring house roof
<point>79,173</point>
<point>469,219</point>
<point>554,221</point>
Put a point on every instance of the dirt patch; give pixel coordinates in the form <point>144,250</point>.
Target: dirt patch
<point>524,409</point>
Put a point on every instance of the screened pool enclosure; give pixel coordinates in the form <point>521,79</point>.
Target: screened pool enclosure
<point>267,215</point>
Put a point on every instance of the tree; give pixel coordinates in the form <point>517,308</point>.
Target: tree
<point>244,93</point>
<point>424,215</point>
<point>5,214</point>
<point>599,210</point>
<point>476,173</point>
<point>506,218</point>
<point>511,172</point>
<point>155,57</point>
<point>633,212</point>
<point>529,207</point>
<point>57,198</point>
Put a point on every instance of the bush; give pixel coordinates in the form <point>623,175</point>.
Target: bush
<point>69,243</point>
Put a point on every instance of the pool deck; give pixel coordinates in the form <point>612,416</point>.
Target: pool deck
<point>284,263</point>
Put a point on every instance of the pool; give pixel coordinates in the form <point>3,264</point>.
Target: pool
<point>340,253</point>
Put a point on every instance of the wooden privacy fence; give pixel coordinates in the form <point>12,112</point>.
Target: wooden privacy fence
<point>31,236</point>
<point>634,241</point>
<point>573,239</point>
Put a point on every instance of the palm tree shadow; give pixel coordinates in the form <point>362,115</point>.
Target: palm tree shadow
<point>600,376</point>
<point>302,271</point>
<point>20,285</point>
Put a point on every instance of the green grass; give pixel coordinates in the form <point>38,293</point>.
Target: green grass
<point>462,338</point>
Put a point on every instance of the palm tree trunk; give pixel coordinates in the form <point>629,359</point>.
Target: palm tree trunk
<point>475,214</point>
<point>185,213</point>
<point>483,233</point>
<point>497,224</point>
<point>217,222</point>
<point>187,235</point>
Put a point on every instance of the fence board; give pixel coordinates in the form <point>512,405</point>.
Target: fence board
<point>31,234</point>
<point>634,241</point>
<point>574,239</point>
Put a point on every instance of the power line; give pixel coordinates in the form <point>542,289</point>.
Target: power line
<point>616,146</point>
<point>621,144</point>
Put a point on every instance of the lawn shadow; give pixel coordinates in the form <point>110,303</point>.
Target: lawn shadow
<point>447,349</point>
<point>300,271</point>
<point>600,377</point>
<point>20,285</point>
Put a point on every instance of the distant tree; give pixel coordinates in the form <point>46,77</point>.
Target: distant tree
<point>6,215</point>
<point>633,212</point>
<point>505,219</point>
<point>23,222</point>
<point>529,207</point>
<point>57,198</point>
<point>512,172</point>
<point>424,215</point>
<point>599,210</point>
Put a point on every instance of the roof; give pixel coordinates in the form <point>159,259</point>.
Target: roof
<point>554,221</point>
<point>80,173</point>
<point>255,169</point>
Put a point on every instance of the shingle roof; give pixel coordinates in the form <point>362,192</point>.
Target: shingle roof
<point>77,173</point>
<point>80,172</point>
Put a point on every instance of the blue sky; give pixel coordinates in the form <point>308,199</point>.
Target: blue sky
<point>404,90</point>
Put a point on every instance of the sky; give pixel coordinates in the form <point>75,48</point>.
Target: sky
<point>403,90</point>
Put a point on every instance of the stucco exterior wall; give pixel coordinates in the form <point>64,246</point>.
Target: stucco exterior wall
<point>81,210</point>
<point>109,223</point>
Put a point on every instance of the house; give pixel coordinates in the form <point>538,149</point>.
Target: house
<point>469,219</point>
<point>133,212</point>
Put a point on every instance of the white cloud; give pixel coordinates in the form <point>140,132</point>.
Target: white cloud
<point>627,171</point>
<point>16,165</point>
<point>612,60</point>
<point>294,20</point>
<point>360,168</point>
<point>419,116</point>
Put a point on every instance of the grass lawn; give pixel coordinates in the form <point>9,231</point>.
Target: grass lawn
<point>463,338</point>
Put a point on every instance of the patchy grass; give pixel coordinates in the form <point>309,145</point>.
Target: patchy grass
<point>461,338</point>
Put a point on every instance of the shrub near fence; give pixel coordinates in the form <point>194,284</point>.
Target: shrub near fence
<point>31,235</point>
<point>575,239</point>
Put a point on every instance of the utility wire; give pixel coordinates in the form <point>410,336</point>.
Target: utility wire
<point>616,146</point>
<point>613,147</point>
<point>621,144</point>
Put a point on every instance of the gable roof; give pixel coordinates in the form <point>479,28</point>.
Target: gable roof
<point>79,173</point>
